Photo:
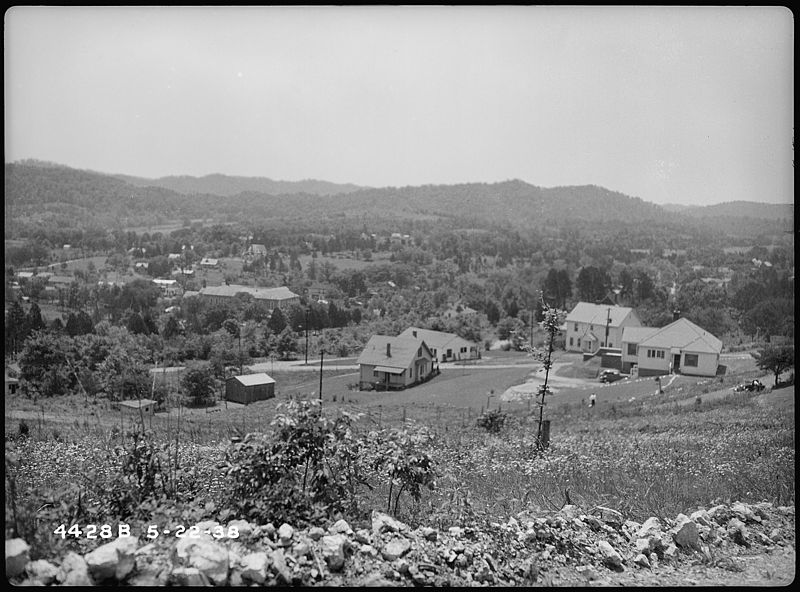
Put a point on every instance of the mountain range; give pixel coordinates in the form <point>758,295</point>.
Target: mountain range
<point>40,191</point>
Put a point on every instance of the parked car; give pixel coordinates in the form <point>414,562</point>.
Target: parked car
<point>610,375</point>
<point>754,386</point>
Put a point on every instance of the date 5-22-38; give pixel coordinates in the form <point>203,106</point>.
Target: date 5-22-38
<point>106,531</point>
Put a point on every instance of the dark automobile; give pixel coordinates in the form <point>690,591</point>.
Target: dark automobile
<point>610,376</point>
<point>754,386</point>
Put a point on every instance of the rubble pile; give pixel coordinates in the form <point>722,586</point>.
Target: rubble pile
<point>570,546</point>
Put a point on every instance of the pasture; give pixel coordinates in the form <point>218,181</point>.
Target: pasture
<point>639,451</point>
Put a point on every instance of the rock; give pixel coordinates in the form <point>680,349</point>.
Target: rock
<point>40,570</point>
<point>653,560</point>
<point>719,514</point>
<point>744,513</point>
<point>641,560</point>
<point>203,553</point>
<point>643,545</point>
<point>254,567</point>
<point>485,573</point>
<point>188,576</point>
<point>340,527</point>
<point>74,571</point>
<point>430,534</point>
<point>685,533</point>
<point>384,523</point>
<point>114,560</point>
<point>651,526</point>
<point>609,516</point>
<point>243,526</point>
<point>701,517</point>
<point>269,530</point>
<point>588,572</point>
<point>570,511</point>
<point>609,555</point>
<point>315,533</point>
<point>671,552</point>
<point>362,536</point>
<point>775,534</point>
<point>333,551</point>
<point>17,555</point>
<point>455,531</point>
<point>280,568</point>
<point>737,532</point>
<point>285,534</point>
<point>395,548</point>
<point>301,549</point>
<point>375,580</point>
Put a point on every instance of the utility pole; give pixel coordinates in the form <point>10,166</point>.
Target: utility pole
<point>306,328</point>
<point>608,322</point>
<point>321,358</point>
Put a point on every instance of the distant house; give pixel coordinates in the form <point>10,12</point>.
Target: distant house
<point>592,326</point>
<point>24,275</point>
<point>60,281</point>
<point>255,251</point>
<point>395,362</point>
<point>208,262</point>
<point>169,288</point>
<point>281,297</point>
<point>319,291</point>
<point>459,310</point>
<point>12,382</point>
<point>445,347</point>
<point>174,256</point>
<point>133,407</point>
<point>680,347</point>
<point>249,388</point>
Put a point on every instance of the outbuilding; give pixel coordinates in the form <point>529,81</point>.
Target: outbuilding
<point>147,406</point>
<point>249,388</point>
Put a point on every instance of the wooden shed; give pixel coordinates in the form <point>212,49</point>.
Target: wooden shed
<point>249,388</point>
<point>147,406</point>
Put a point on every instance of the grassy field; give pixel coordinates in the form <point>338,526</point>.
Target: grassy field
<point>639,451</point>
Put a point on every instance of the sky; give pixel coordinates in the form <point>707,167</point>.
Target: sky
<point>685,105</point>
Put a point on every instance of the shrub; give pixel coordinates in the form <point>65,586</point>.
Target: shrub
<point>492,421</point>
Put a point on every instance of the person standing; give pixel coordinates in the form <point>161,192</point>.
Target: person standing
<point>592,399</point>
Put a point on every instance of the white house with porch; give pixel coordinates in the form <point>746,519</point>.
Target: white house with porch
<point>592,326</point>
<point>680,347</point>
<point>395,362</point>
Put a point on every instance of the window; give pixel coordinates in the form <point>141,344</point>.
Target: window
<point>609,344</point>
<point>591,327</point>
<point>661,354</point>
<point>579,341</point>
<point>690,360</point>
<point>631,349</point>
<point>570,341</point>
<point>419,353</point>
<point>463,350</point>
<point>576,326</point>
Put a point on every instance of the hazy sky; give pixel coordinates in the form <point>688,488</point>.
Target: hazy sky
<point>686,105</point>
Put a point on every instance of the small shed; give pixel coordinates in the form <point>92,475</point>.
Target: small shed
<point>249,388</point>
<point>147,406</point>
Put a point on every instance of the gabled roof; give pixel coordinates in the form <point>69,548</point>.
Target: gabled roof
<point>136,403</point>
<point>598,314</point>
<point>687,336</point>
<point>255,379</point>
<point>281,293</point>
<point>637,334</point>
<point>435,339</point>
<point>403,351</point>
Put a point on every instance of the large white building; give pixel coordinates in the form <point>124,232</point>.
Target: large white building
<point>592,326</point>
<point>281,297</point>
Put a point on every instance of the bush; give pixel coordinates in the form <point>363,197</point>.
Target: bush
<point>492,421</point>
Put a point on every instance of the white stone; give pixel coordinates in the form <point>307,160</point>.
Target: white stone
<point>641,560</point>
<point>315,533</point>
<point>685,533</point>
<point>340,527</point>
<point>254,566</point>
<point>384,523</point>
<point>609,554</point>
<point>188,576</point>
<point>206,555</point>
<point>396,548</point>
<point>243,526</point>
<point>114,560</point>
<point>17,555</point>
<point>285,534</point>
<point>74,571</point>
<point>651,526</point>
<point>42,571</point>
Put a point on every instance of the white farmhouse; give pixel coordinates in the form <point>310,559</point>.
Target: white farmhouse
<point>592,326</point>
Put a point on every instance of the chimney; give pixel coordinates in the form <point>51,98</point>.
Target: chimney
<point>676,314</point>
<point>388,350</point>
<point>414,333</point>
